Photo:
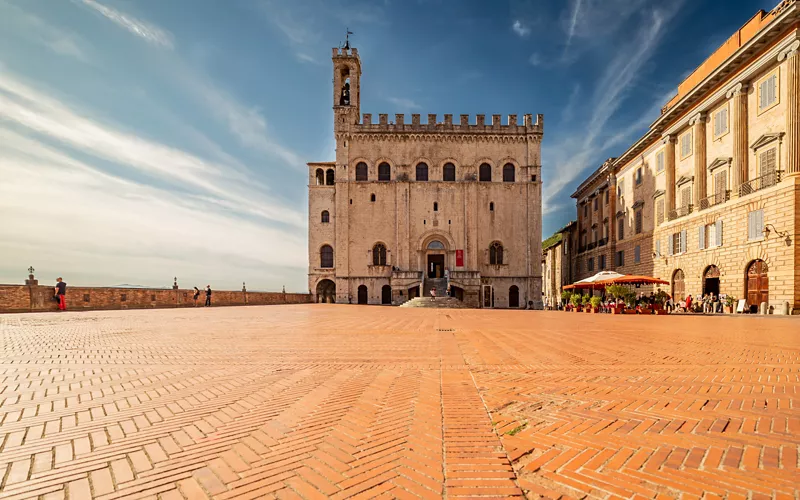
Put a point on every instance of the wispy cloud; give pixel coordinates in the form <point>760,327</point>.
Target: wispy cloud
<point>520,28</point>
<point>535,59</point>
<point>403,103</point>
<point>575,15</point>
<point>39,31</point>
<point>575,153</point>
<point>150,33</point>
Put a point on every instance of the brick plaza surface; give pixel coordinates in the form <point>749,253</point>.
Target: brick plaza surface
<point>335,401</point>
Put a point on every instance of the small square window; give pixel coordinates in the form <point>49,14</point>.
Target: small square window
<point>86,297</point>
<point>123,297</point>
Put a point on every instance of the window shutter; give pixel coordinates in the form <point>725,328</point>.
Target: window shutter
<point>719,232</point>
<point>671,244</point>
<point>762,94</point>
<point>701,238</point>
<point>759,222</point>
<point>683,241</point>
<point>658,248</point>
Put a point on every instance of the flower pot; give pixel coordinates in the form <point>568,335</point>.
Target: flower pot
<point>647,310</point>
<point>616,310</point>
<point>629,311</point>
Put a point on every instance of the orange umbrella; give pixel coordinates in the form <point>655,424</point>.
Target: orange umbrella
<point>631,279</point>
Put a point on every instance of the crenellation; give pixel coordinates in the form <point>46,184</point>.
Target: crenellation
<point>480,120</point>
<point>399,119</point>
<point>448,120</point>
<point>496,120</point>
<point>464,120</point>
<point>415,119</point>
<point>511,127</point>
<point>383,118</point>
<point>431,118</point>
<point>512,121</point>
<point>367,119</point>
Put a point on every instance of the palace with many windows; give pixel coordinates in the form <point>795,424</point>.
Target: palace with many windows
<point>406,207</point>
<point>709,197</point>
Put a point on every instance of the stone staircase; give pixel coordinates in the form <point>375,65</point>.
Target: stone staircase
<point>439,283</point>
<point>437,303</point>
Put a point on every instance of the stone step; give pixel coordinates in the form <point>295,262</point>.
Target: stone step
<point>437,303</point>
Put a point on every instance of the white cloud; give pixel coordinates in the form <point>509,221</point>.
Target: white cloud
<point>574,154</point>
<point>520,28</point>
<point>63,214</point>
<point>39,31</point>
<point>573,22</point>
<point>535,59</point>
<point>404,103</point>
<point>22,105</point>
<point>150,33</point>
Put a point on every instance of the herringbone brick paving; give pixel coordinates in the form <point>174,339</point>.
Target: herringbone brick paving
<point>320,401</point>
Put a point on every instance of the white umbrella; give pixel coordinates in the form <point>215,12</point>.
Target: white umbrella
<point>591,280</point>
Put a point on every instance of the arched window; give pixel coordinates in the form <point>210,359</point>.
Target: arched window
<point>491,206</point>
<point>326,217</point>
<point>320,177</point>
<point>435,245</point>
<point>496,253</point>
<point>361,171</point>
<point>435,206</point>
<point>508,172</point>
<point>379,255</point>
<point>326,257</point>
<point>449,172</point>
<point>485,173</point>
<point>422,172</point>
<point>372,197</point>
<point>330,177</point>
<point>384,172</point>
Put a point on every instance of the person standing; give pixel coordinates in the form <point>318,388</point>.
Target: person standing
<point>61,294</point>
<point>208,295</point>
<point>433,293</point>
<point>196,295</point>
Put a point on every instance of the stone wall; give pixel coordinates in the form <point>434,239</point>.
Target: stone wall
<point>37,298</point>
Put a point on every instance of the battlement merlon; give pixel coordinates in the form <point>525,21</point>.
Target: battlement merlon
<point>477,126</point>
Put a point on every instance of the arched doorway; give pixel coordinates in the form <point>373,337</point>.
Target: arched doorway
<point>711,280</point>
<point>513,296</point>
<point>362,294</point>
<point>678,285</point>
<point>326,292</point>
<point>757,284</point>
<point>457,292</point>
<point>435,259</point>
<point>413,292</point>
<point>386,294</point>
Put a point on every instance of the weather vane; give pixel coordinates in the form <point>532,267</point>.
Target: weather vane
<point>347,39</point>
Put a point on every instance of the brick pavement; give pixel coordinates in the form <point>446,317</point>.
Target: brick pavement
<point>320,401</point>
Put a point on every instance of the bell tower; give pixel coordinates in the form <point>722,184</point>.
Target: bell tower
<point>346,86</point>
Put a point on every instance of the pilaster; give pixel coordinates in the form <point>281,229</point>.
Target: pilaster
<point>740,168</point>
<point>793,107</point>
<point>698,123</point>
<point>669,169</point>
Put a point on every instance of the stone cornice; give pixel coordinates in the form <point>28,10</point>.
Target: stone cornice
<point>658,193</point>
<point>766,139</point>
<point>720,161</point>
<point>684,180</point>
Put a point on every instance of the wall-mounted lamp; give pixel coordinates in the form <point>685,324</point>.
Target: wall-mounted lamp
<point>782,234</point>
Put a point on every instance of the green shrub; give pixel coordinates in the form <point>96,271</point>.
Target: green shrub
<point>586,299</point>
<point>596,302</point>
<point>575,299</point>
<point>565,296</point>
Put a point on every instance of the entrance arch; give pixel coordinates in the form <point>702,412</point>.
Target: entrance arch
<point>757,284</point>
<point>363,296</point>
<point>386,294</point>
<point>326,292</point>
<point>678,285</point>
<point>513,296</point>
<point>711,280</point>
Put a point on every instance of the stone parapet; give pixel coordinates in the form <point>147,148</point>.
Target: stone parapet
<point>511,127</point>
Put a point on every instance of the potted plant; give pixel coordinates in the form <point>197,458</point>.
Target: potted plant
<point>565,296</point>
<point>660,299</point>
<point>730,301</point>
<point>586,303</point>
<point>616,292</point>
<point>630,301</point>
<point>595,301</point>
<point>576,302</point>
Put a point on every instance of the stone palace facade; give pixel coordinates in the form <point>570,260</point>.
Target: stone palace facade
<point>410,206</point>
<point>709,198</point>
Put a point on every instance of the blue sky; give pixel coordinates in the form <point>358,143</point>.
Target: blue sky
<point>142,140</point>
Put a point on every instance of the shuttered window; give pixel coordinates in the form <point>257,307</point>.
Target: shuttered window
<point>620,228</point>
<point>590,264</point>
<point>767,161</point>
<point>755,224</point>
<point>658,248</point>
<point>637,216</point>
<point>620,258</point>
<point>683,241</point>
<point>637,254</point>
<point>721,122</point>
<point>660,162</point>
<point>620,188</point>
<point>686,144</point>
<point>602,262</point>
<point>671,244</point>
<point>660,211</point>
<point>686,196</point>
<point>768,92</point>
<point>718,235</point>
<point>701,238</point>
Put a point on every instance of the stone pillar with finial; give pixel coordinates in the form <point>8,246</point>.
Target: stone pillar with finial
<point>175,283</point>
<point>31,281</point>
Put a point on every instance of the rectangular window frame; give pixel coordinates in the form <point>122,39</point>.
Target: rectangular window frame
<point>777,75</point>
<point>721,127</point>
<point>661,161</point>
<point>638,176</point>
<point>621,228</point>
<point>660,210</point>
<point>590,264</point>
<point>638,221</point>
<point>688,136</point>
<point>637,254</point>
<point>760,155</point>
<point>755,225</point>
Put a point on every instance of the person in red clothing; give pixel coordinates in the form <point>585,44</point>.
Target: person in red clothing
<point>61,294</point>
<point>688,303</point>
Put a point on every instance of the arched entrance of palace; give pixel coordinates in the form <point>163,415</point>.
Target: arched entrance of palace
<point>386,294</point>
<point>326,292</point>
<point>711,280</point>
<point>363,296</point>
<point>757,284</point>
<point>678,286</point>
<point>435,253</point>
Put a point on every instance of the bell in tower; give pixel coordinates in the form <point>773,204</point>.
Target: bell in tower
<point>344,100</point>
